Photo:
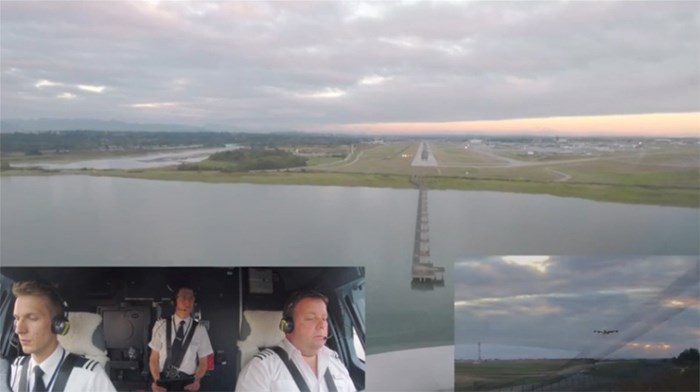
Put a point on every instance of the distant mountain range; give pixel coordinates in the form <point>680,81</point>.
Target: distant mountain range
<point>86,124</point>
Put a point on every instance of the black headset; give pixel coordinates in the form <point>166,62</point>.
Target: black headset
<point>59,323</point>
<point>287,322</point>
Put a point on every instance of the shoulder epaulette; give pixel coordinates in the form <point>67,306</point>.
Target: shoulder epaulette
<point>20,360</point>
<point>264,354</point>
<point>85,363</point>
<point>160,325</point>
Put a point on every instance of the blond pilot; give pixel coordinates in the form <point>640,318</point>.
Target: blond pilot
<point>39,318</point>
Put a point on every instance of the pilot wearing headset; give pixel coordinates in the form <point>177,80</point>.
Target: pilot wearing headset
<point>180,363</point>
<point>301,361</point>
<point>40,316</point>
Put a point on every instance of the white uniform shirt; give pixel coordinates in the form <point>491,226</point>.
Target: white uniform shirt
<point>89,378</point>
<point>267,373</point>
<point>199,347</point>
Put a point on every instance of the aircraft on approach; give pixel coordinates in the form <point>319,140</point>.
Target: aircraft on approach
<point>606,331</point>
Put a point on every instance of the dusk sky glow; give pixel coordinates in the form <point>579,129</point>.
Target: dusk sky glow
<point>564,68</point>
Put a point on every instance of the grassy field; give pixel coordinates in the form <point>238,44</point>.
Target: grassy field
<point>660,176</point>
<point>666,177</point>
<point>471,376</point>
<point>379,159</point>
<point>316,161</point>
<point>650,376</point>
<point>267,177</point>
<point>581,375</point>
<point>456,154</point>
<point>676,167</point>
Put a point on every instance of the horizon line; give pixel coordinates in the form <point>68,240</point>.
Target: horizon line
<point>679,124</point>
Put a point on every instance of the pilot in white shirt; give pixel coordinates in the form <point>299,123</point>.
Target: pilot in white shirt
<point>306,331</point>
<point>86,375</point>
<point>39,318</point>
<point>195,360</point>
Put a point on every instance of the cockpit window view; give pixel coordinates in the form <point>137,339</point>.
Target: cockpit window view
<point>174,329</point>
<point>224,154</point>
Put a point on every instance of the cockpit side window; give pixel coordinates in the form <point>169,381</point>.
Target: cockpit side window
<point>8,343</point>
<point>350,299</point>
<point>353,300</point>
<point>358,345</point>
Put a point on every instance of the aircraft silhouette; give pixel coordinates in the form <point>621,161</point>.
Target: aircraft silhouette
<point>606,331</point>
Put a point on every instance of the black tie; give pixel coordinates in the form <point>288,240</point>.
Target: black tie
<point>39,380</point>
<point>180,334</point>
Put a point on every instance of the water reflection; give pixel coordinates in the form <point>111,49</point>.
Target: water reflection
<point>92,221</point>
<point>428,285</point>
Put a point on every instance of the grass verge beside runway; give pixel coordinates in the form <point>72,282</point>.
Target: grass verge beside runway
<point>655,195</point>
<point>576,375</point>
<point>478,376</point>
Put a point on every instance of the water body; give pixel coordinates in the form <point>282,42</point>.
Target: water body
<point>151,160</point>
<point>91,221</point>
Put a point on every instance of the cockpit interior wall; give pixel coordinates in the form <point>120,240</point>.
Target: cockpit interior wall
<point>129,300</point>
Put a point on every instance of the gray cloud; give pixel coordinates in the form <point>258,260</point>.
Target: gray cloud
<point>263,65</point>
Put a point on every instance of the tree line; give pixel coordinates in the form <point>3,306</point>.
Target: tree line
<point>85,140</point>
<point>247,159</point>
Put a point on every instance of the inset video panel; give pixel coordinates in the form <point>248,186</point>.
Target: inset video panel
<point>577,323</point>
<point>191,328</point>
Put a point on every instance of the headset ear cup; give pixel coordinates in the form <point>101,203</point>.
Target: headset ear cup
<point>287,325</point>
<point>56,326</point>
<point>60,325</point>
<point>66,328</point>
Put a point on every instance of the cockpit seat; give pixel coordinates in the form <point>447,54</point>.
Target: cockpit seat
<point>260,329</point>
<point>85,337</point>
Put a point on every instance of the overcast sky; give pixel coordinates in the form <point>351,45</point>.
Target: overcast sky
<point>340,66</point>
<point>551,305</point>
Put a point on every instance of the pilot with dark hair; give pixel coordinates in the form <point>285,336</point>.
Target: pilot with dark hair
<point>182,362</point>
<point>301,361</point>
<point>39,318</point>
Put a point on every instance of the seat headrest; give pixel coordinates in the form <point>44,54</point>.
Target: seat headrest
<point>85,336</point>
<point>263,331</point>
